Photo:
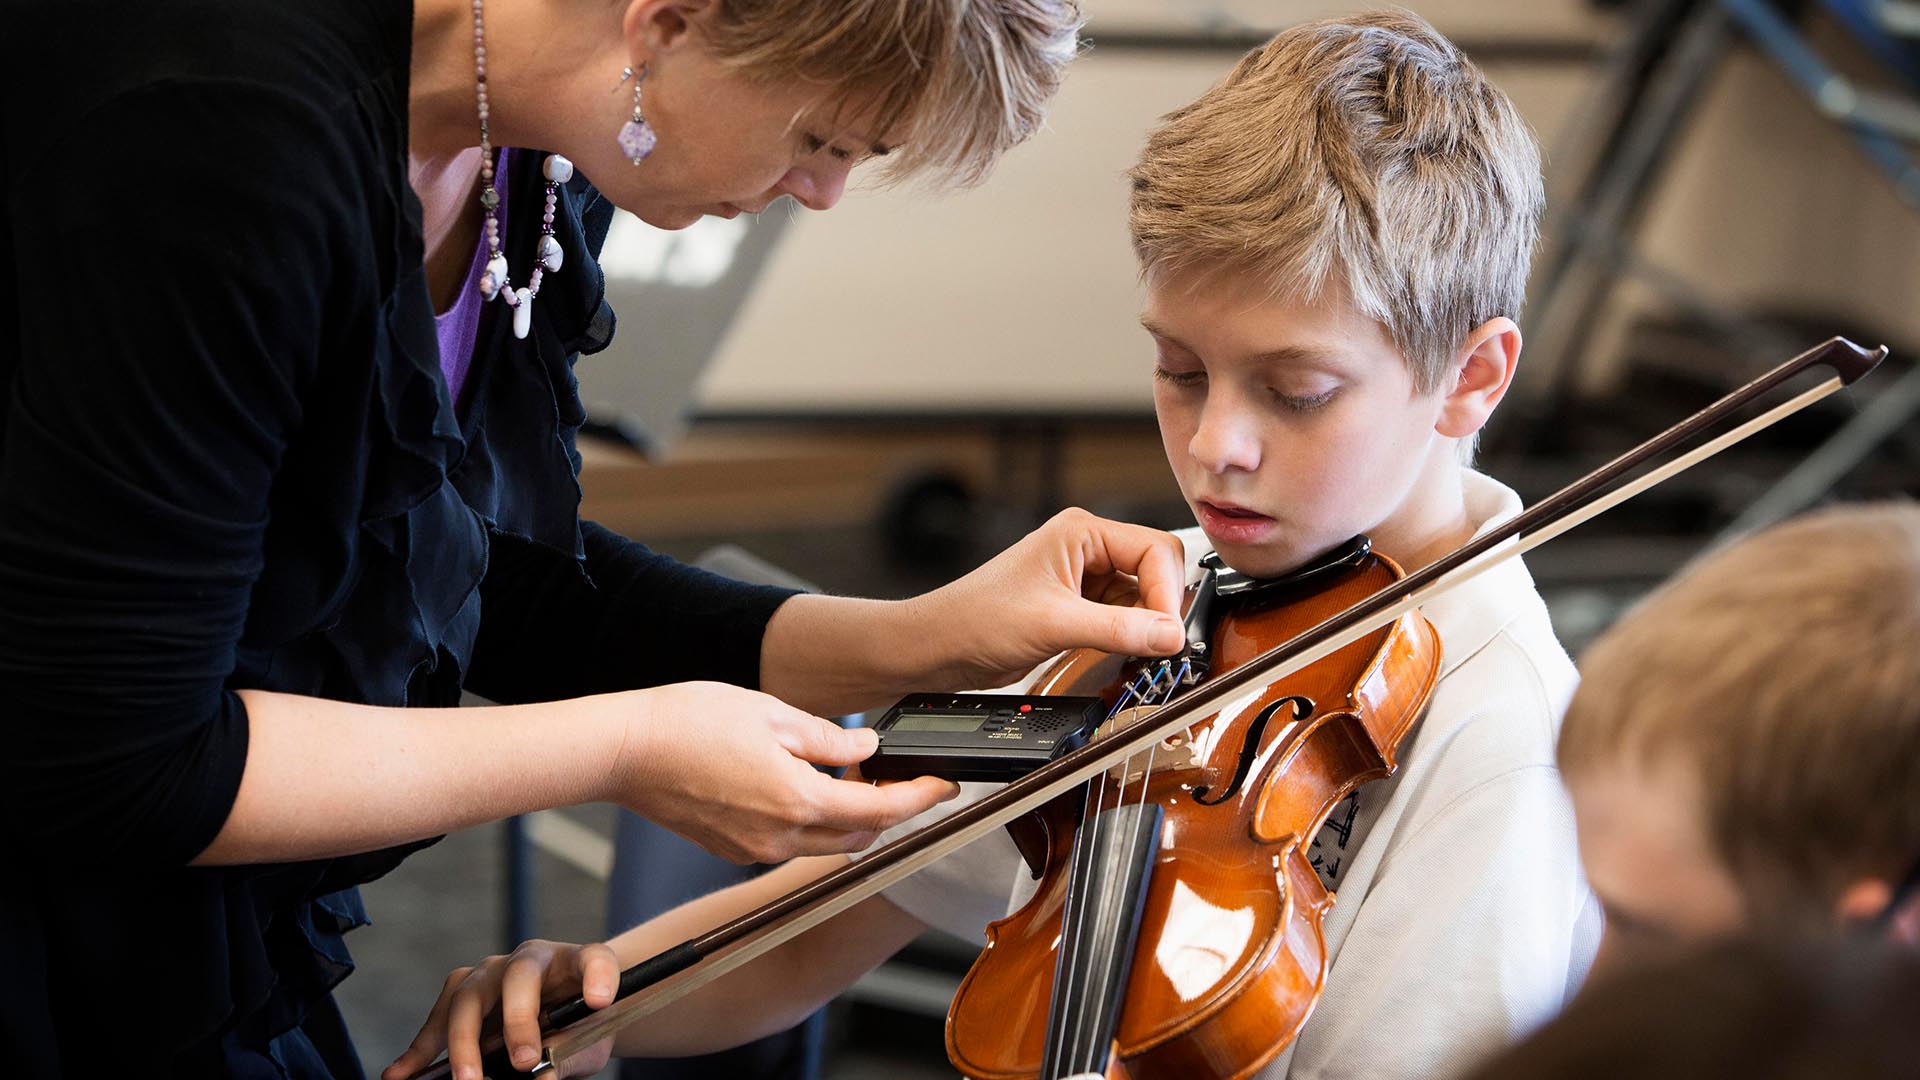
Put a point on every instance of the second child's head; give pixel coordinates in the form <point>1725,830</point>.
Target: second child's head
<point>1744,750</point>
<point>1335,242</point>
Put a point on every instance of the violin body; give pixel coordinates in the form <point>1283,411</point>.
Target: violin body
<point>1230,956</point>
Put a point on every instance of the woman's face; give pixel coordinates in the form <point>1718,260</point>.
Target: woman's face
<point>728,144</point>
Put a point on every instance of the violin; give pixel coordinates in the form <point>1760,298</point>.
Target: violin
<point>1324,730</point>
<point>1176,928</point>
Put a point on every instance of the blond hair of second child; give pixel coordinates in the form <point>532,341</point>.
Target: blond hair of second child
<point>1335,242</point>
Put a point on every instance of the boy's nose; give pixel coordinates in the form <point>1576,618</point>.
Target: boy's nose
<point>1224,440</point>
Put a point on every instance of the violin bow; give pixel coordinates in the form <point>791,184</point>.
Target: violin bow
<point>571,1027</point>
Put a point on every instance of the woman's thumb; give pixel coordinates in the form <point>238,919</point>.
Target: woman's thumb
<point>824,742</point>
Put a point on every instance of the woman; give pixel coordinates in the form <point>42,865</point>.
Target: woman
<point>255,526</point>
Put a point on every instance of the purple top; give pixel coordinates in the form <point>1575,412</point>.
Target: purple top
<point>459,325</point>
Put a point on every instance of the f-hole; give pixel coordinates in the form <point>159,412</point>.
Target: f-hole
<point>1250,748</point>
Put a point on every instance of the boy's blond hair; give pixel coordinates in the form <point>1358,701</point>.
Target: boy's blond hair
<point>1784,672</point>
<point>967,79</point>
<point>1365,150</point>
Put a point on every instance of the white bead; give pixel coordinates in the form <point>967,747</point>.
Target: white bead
<point>494,277</point>
<point>550,254</point>
<point>558,169</point>
<point>522,313</point>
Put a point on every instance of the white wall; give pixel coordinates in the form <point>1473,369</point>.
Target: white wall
<point>1021,294</point>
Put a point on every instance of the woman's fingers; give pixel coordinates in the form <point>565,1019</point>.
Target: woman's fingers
<point>1123,630</point>
<point>823,742</point>
<point>749,791</point>
<point>870,808</point>
<point>1155,559</point>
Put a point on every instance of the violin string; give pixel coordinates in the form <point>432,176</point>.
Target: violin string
<point>1116,907</point>
<point>1073,946</point>
<point>1076,945</point>
<point>1075,1041</point>
<point>1145,689</point>
<point>1119,911</point>
<point>1091,912</point>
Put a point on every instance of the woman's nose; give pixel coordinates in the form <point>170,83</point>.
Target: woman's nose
<point>816,188</point>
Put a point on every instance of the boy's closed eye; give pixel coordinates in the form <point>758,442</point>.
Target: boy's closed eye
<point>1304,402</point>
<point>1300,400</point>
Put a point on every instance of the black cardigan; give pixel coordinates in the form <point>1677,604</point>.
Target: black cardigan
<point>228,460</point>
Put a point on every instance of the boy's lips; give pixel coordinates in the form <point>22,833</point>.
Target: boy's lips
<point>1233,524</point>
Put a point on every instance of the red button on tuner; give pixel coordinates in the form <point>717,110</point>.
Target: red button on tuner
<point>1026,708</point>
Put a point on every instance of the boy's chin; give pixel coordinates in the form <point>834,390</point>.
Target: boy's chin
<point>1260,560</point>
<point>1275,558</point>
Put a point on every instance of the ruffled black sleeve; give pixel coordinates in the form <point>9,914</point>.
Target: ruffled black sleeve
<point>568,607</point>
<point>171,313</point>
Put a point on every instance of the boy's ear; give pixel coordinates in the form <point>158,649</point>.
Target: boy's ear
<point>1482,371</point>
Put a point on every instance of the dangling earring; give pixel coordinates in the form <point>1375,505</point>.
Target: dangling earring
<point>636,137</point>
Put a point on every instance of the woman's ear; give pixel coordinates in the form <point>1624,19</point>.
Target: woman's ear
<point>656,27</point>
<point>1482,371</point>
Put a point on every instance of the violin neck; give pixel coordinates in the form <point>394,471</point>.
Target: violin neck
<point>1113,859</point>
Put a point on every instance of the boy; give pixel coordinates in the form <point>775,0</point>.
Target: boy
<point>1334,242</point>
<point>1744,754</point>
<point>1744,759</point>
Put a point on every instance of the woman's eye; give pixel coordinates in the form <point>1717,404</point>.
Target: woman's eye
<point>815,144</point>
<point>1179,378</point>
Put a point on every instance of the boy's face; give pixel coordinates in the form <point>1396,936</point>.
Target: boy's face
<point>1643,840</point>
<point>1292,427</point>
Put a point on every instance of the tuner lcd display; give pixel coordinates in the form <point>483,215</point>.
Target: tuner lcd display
<point>994,737</point>
<point>938,722</point>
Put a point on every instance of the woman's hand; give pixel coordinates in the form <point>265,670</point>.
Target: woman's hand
<point>1079,581</point>
<point>518,985</point>
<point>733,771</point>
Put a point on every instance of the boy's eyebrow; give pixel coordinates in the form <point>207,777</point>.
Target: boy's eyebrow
<point>1286,354</point>
<point>1297,354</point>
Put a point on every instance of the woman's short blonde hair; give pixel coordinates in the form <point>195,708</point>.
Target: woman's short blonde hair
<point>967,79</point>
<point>1783,671</point>
<point>1365,150</point>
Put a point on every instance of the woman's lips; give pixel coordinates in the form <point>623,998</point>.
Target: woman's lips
<point>1234,524</point>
